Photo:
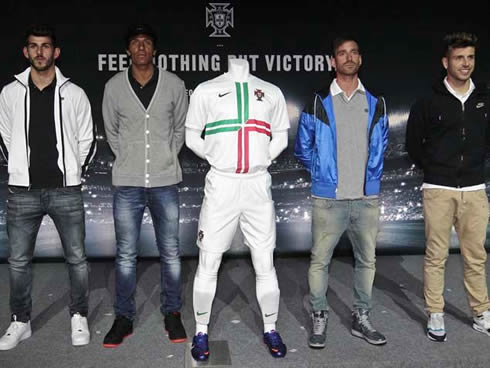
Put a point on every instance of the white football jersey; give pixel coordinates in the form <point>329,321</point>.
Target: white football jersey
<point>238,119</point>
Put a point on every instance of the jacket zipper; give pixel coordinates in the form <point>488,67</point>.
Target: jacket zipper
<point>62,133</point>
<point>371,129</point>
<point>463,138</point>
<point>27,137</point>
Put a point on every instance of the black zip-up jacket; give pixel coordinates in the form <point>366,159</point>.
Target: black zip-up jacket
<point>447,139</point>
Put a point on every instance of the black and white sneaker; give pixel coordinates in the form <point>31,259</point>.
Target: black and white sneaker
<point>319,331</point>
<point>481,323</point>
<point>361,327</point>
<point>435,327</point>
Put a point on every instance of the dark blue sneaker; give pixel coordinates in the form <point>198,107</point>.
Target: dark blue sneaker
<point>200,347</point>
<point>274,343</point>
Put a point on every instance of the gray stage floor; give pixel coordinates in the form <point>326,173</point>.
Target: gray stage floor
<point>398,313</point>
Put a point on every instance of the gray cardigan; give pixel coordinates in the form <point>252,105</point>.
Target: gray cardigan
<point>146,142</point>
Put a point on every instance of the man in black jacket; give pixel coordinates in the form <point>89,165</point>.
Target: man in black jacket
<point>447,135</point>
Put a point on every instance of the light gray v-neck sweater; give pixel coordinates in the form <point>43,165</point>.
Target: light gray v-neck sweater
<point>351,118</point>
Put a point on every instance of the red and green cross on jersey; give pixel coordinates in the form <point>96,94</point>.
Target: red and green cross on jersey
<point>243,124</point>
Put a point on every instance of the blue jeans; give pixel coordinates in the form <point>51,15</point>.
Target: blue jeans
<point>129,206</point>
<point>25,211</point>
<point>330,219</point>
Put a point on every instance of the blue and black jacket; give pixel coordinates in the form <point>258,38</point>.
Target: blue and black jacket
<point>316,144</point>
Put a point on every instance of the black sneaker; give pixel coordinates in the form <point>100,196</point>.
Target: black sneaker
<point>174,327</point>
<point>361,327</point>
<point>121,328</point>
<point>319,331</point>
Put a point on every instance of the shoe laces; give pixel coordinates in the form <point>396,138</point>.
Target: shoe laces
<point>274,338</point>
<point>484,319</point>
<point>14,326</point>
<point>365,322</point>
<point>319,323</point>
<point>173,319</point>
<point>485,316</point>
<point>77,318</point>
<point>437,321</point>
<point>200,340</point>
<point>121,324</point>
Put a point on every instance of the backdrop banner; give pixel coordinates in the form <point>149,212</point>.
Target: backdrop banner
<point>401,60</point>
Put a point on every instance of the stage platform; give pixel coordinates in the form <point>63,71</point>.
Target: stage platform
<point>398,313</point>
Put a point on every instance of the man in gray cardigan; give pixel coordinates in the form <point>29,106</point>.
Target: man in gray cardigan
<point>144,109</point>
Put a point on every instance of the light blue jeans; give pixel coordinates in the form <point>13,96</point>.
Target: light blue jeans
<point>330,219</point>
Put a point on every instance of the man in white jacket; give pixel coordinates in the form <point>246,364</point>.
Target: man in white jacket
<point>47,137</point>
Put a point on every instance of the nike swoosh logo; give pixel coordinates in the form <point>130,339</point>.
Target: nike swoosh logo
<point>201,313</point>
<point>223,94</point>
<point>268,315</point>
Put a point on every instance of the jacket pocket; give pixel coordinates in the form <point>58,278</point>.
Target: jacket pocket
<point>315,165</point>
<point>162,157</point>
<point>130,159</point>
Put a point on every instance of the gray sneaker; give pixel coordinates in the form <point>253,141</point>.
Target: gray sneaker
<point>435,327</point>
<point>361,327</point>
<point>319,331</point>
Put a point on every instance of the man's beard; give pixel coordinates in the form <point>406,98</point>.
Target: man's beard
<point>48,64</point>
<point>350,71</point>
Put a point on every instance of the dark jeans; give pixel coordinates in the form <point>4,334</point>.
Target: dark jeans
<point>26,209</point>
<point>129,206</point>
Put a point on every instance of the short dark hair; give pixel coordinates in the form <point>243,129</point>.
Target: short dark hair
<point>342,39</point>
<point>140,29</point>
<point>41,30</point>
<point>458,40</point>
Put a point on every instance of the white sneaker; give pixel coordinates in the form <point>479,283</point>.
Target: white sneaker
<point>435,327</point>
<point>80,335</point>
<point>481,323</point>
<point>17,332</point>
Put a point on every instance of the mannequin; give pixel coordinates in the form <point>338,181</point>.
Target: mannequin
<point>245,125</point>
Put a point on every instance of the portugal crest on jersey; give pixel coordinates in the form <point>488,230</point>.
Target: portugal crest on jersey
<point>259,94</point>
<point>219,17</point>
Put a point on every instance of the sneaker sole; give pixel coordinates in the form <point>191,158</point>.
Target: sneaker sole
<point>431,338</point>
<point>272,354</point>
<point>372,342</point>
<point>111,346</point>
<point>206,357</point>
<point>316,346</point>
<point>480,329</point>
<point>25,336</point>
<point>177,341</point>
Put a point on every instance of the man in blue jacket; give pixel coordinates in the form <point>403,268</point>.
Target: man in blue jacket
<point>341,140</point>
